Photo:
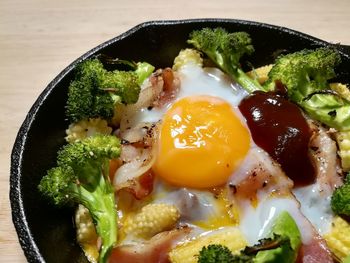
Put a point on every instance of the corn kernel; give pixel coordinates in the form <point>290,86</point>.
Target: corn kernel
<point>151,220</point>
<point>188,252</point>
<point>86,128</point>
<point>86,233</point>
<point>260,74</point>
<point>341,89</point>
<point>338,239</point>
<point>343,140</point>
<point>187,56</point>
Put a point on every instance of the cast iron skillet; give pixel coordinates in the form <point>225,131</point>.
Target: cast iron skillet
<point>46,232</point>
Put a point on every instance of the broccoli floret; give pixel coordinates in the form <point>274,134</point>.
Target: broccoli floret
<point>305,75</point>
<point>304,72</point>
<point>340,201</point>
<point>217,253</point>
<point>96,91</point>
<point>81,177</point>
<point>225,50</point>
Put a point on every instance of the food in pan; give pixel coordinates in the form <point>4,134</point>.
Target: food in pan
<point>206,162</point>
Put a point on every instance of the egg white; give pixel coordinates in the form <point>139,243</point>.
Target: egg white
<point>315,204</point>
<point>196,80</point>
<point>254,222</point>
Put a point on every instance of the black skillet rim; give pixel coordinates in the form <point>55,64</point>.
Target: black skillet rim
<point>19,219</point>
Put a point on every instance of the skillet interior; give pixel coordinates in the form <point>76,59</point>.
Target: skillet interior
<point>45,232</point>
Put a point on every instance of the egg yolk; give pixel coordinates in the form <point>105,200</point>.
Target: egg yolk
<point>201,142</point>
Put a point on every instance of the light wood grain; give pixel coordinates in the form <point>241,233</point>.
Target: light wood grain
<point>39,38</point>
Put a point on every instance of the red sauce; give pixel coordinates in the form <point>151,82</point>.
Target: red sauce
<point>278,127</point>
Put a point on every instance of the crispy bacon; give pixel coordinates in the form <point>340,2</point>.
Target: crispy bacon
<point>170,88</point>
<point>259,173</point>
<point>155,250</point>
<point>135,175</point>
<point>161,89</point>
<point>149,93</point>
<point>257,179</point>
<point>141,135</point>
<point>323,151</point>
<point>315,252</point>
<point>139,187</point>
<point>114,164</point>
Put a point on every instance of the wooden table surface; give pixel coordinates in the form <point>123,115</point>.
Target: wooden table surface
<point>38,38</point>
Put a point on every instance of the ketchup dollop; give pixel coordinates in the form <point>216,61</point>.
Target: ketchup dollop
<point>279,127</point>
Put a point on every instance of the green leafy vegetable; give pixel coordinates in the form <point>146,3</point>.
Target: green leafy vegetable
<point>95,92</point>
<point>340,201</point>
<point>225,50</point>
<point>282,245</point>
<point>216,253</point>
<point>81,177</point>
<point>305,75</point>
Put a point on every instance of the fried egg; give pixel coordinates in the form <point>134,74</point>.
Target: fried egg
<point>202,133</point>
<point>204,144</point>
<point>200,136</point>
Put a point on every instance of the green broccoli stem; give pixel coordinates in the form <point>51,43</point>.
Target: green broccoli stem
<point>101,204</point>
<point>82,177</point>
<point>225,50</point>
<point>236,73</point>
<point>107,226</point>
<point>246,82</point>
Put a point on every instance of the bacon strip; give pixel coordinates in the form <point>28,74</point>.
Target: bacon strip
<point>315,252</point>
<point>259,173</point>
<point>139,187</point>
<point>324,153</point>
<point>134,174</point>
<point>155,250</point>
<point>170,88</point>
